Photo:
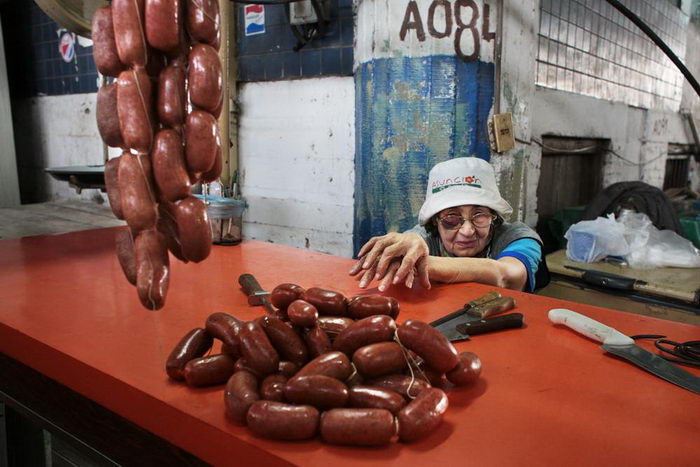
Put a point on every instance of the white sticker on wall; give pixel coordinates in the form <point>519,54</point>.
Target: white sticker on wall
<point>66,46</point>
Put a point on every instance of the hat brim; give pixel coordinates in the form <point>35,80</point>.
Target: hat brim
<point>460,196</point>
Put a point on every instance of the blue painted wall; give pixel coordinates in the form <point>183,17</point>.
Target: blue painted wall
<point>410,114</point>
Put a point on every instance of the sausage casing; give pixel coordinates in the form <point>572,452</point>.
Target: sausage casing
<point>409,387</point>
<point>205,78</point>
<point>285,340</point>
<point>333,364</point>
<point>358,427</point>
<point>317,341</point>
<point>202,141</point>
<point>323,392</point>
<point>194,344</point>
<point>257,349</point>
<point>334,325</point>
<point>104,50</point>
<point>136,191</point>
<point>362,306</point>
<point>129,34</point>
<point>112,186</point>
<point>134,107</point>
<point>193,228</point>
<point>280,421</point>
<point>327,302</point>
<point>373,397</point>
<point>167,224</point>
<point>429,344</point>
<point>152,268</point>
<point>215,171</point>
<point>302,314</point>
<point>225,327</point>
<point>164,20</point>
<point>240,393</point>
<point>422,415</point>
<point>107,116</point>
<point>169,170</point>
<point>365,331</point>
<point>272,387</point>
<point>284,294</point>
<point>379,359</point>
<point>126,255</point>
<point>467,370</point>
<point>204,21</point>
<point>172,95</point>
<point>209,371</point>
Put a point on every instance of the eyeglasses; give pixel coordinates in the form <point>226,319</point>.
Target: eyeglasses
<point>454,222</point>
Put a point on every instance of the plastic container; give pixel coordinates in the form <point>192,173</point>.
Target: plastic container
<point>225,219</point>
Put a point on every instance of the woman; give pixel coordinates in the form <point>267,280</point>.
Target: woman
<point>461,237</point>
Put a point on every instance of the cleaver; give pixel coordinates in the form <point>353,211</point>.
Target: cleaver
<point>623,346</point>
<point>451,325</point>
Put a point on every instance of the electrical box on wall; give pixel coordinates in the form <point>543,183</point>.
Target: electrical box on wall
<point>303,12</point>
<point>501,132</point>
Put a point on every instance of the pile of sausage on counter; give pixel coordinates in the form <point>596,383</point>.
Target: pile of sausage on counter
<point>323,364</point>
<point>162,112</point>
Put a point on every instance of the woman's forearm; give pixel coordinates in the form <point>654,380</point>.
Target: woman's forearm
<point>507,272</point>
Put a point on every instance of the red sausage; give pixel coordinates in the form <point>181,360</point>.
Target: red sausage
<point>202,141</point>
<point>317,341</point>
<point>225,327</point>
<point>136,191</point>
<point>129,34</point>
<point>240,393</point>
<point>285,340</point>
<point>272,387</point>
<point>104,49</point>
<point>112,185</point>
<point>134,106</point>
<point>164,24</point>
<point>421,416</point>
<point>209,371</point>
<point>327,302</point>
<point>152,268</point>
<point>242,365</point>
<point>169,170</point>
<point>467,370</point>
<point>257,349</point>
<point>107,117</point>
<point>409,387</point>
<point>172,96</point>
<point>429,344</point>
<point>375,398</point>
<point>168,226</point>
<point>363,306</point>
<point>204,77</point>
<point>284,294</point>
<point>204,21</point>
<point>280,421</point>
<point>302,314</point>
<point>366,331</point>
<point>334,325</point>
<point>323,392</point>
<point>194,344</point>
<point>288,369</point>
<point>193,228</point>
<point>333,364</point>
<point>358,427</point>
<point>125,254</point>
<point>215,171</point>
<point>379,359</point>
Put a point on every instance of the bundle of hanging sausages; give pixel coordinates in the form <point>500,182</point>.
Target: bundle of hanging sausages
<point>162,111</point>
<point>325,364</point>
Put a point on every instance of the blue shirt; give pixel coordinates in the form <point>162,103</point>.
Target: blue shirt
<point>529,252</point>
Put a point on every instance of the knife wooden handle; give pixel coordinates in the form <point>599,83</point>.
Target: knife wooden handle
<point>588,327</point>
<point>493,307</point>
<point>250,284</point>
<point>509,321</point>
<point>493,295</point>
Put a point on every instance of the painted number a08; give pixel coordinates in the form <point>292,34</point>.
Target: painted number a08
<point>456,11</point>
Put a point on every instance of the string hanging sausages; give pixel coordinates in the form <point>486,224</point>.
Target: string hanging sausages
<point>154,48</point>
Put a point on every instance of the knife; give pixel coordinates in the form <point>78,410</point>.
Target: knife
<point>497,323</point>
<point>256,295</point>
<point>449,328</point>
<point>493,295</point>
<point>623,346</point>
<point>607,279</point>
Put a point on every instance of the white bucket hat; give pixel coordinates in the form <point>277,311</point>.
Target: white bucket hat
<point>462,181</point>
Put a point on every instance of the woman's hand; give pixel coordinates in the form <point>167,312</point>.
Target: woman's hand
<point>393,258</point>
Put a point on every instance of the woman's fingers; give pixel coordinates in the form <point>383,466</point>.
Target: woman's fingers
<point>357,267</point>
<point>367,277</point>
<point>389,276</point>
<point>422,272</point>
<point>409,278</point>
<point>367,246</point>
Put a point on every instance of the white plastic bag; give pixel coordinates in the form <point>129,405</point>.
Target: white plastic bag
<point>590,241</point>
<point>654,248</point>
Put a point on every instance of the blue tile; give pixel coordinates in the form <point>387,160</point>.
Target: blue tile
<point>346,4</point>
<point>346,61</point>
<point>273,67</point>
<point>291,64</point>
<point>254,68</point>
<point>310,62</point>
<point>275,15</point>
<point>330,62</point>
<point>346,31</point>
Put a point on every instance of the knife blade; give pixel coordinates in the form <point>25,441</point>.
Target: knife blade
<point>482,326</point>
<point>623,346</point>
<point>490,308</point>
<point>488,297</point>
<point>256,295</point>
<point>607,279</point>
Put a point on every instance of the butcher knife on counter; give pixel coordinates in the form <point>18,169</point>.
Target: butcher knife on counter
<point>623,346</point>
<point>475,317</point>
<point>256,295</point>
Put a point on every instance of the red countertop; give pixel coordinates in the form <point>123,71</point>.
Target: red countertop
<point>547,396</point>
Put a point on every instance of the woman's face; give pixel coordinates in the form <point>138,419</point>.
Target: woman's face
<point>467,240</point>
